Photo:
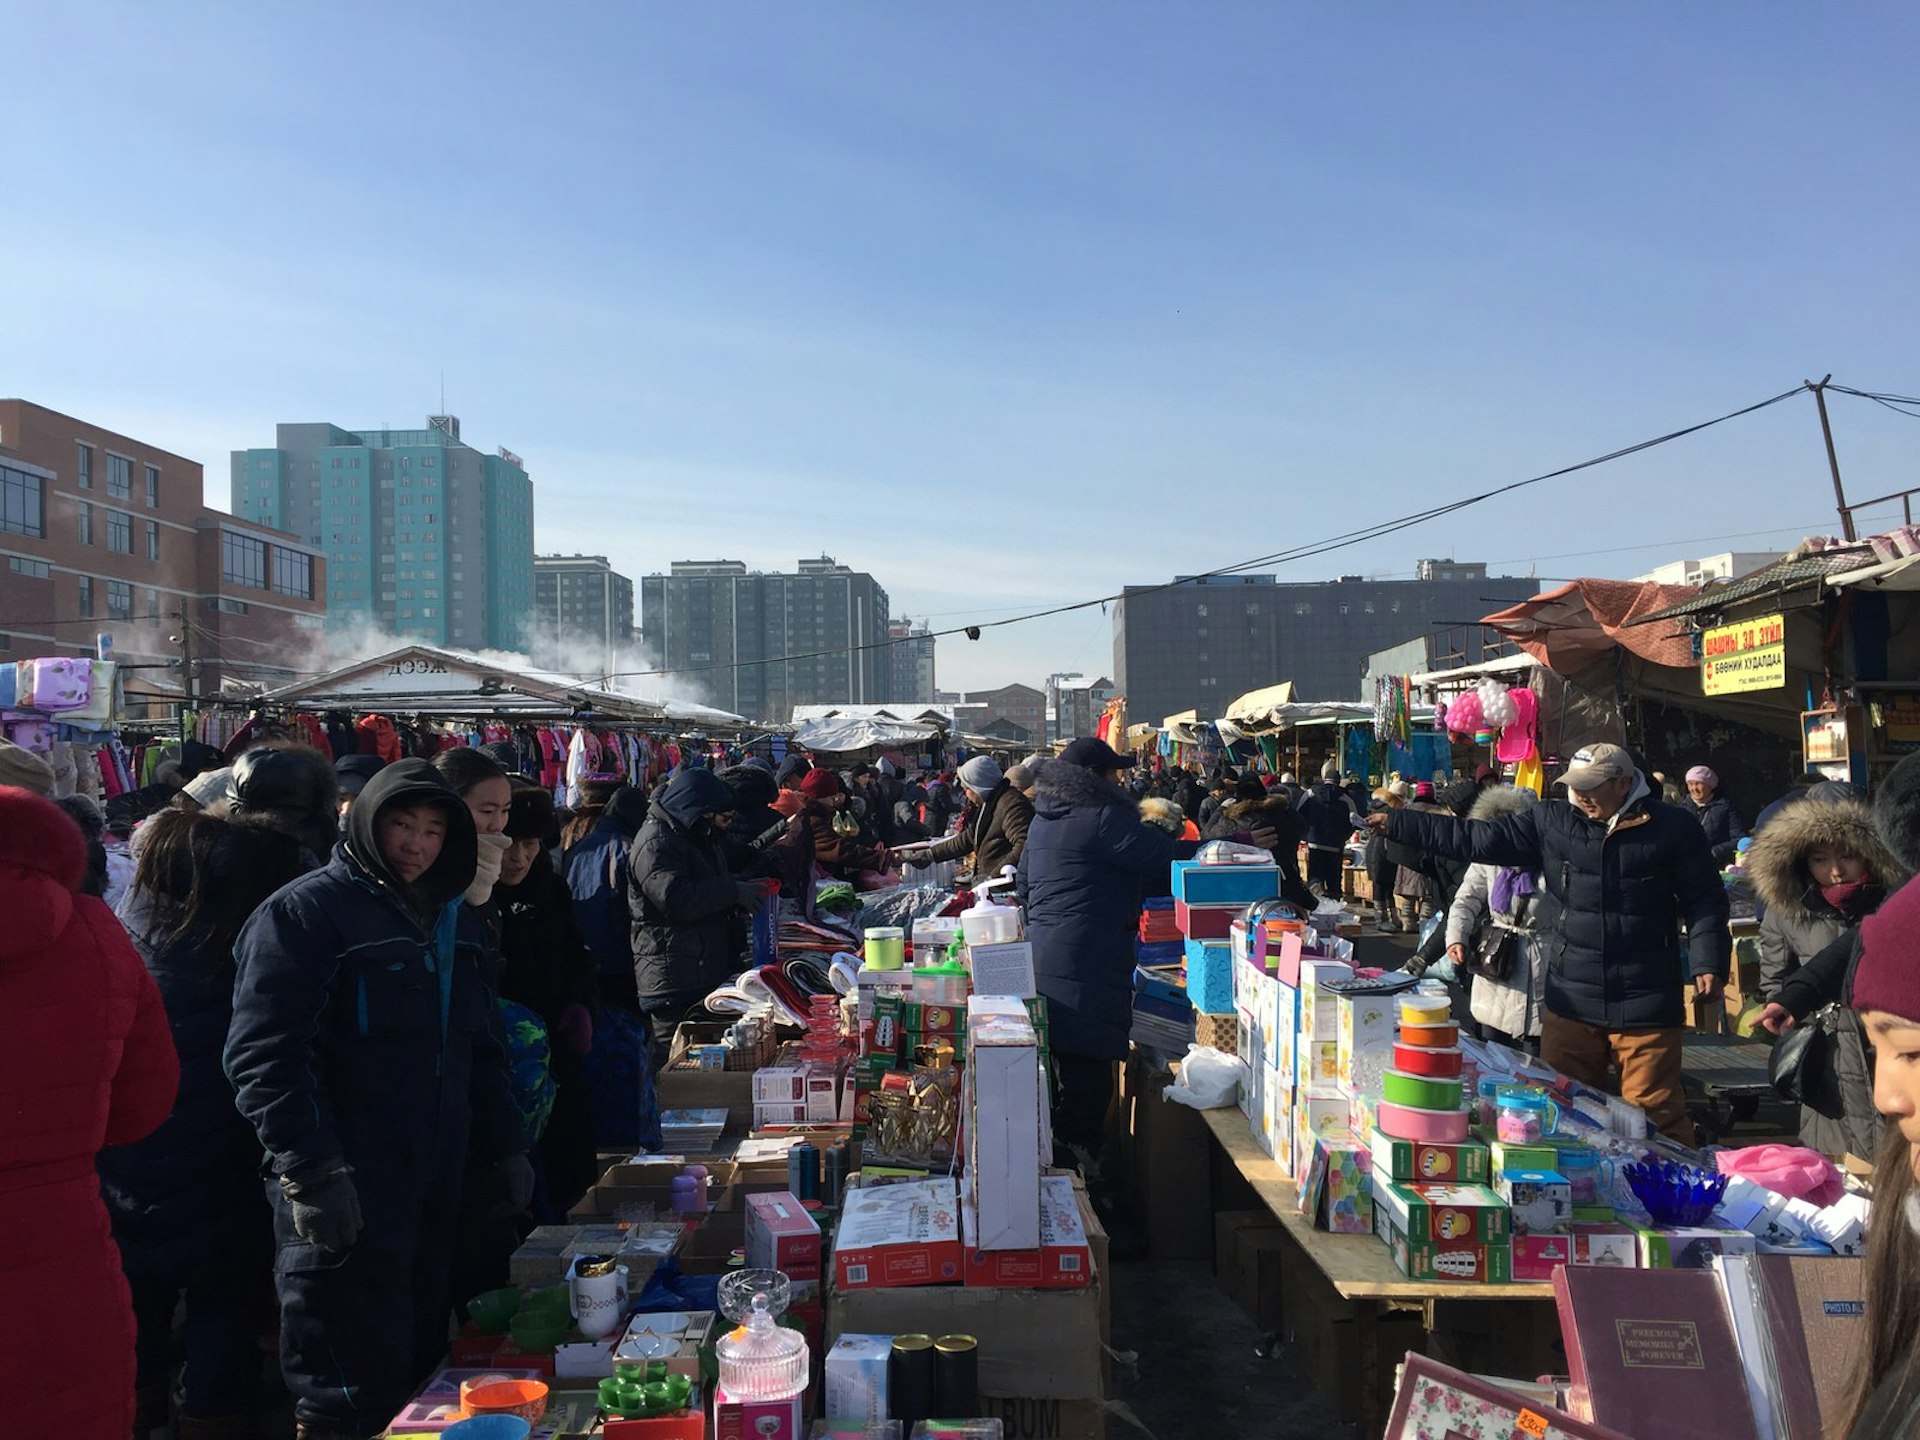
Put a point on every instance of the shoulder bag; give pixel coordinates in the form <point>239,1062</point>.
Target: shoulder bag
<point>1804,1051</point>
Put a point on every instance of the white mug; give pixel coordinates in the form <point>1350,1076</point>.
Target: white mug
<point>598,1302</point>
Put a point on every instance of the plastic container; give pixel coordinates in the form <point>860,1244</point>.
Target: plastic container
<point>494,1396</point>
<point>885,947</point>
<point>489,1427</point>
<point>987,924</point>
<point>943,984</point>
<point>1524,1117</point>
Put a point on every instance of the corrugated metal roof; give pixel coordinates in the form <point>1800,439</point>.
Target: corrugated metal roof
<point>1779,576</point>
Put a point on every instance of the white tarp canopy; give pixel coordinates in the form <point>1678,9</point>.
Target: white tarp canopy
<point>845,737</point>
<point>1253,708</point>
<point>905,711</point>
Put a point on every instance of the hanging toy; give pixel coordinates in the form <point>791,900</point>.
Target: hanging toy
<point>1440,715</point>
<point>1496,705</point>
<point>1464,715</point>
<point>1484,736</point>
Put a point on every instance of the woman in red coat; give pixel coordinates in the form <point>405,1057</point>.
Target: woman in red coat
<point>88,1062</point>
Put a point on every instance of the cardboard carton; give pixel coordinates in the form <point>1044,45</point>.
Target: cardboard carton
<point>899,1235</point>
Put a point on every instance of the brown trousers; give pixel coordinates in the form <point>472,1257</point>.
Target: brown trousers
<point>1649,1061</point>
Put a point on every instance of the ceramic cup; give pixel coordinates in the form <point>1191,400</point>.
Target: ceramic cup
<point>598,1303</point>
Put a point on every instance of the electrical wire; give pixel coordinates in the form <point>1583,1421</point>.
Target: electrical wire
<point>1896,403</point>
<point>1321,547</point>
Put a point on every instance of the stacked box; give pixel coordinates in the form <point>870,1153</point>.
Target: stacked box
<point>1468,1163</point>
<point>1007,1106</point>
<point>1315,1117</point>
<point>1210,976</point>
<point>1460,1262</point>
<point>782,1235</point>
<point>1365,1030</point>
<point>1541,1201</point>
<point>1198,884</point>
<point>1444,1214</point>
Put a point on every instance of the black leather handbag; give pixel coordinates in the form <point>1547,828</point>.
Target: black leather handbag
<point>1803,1052</point>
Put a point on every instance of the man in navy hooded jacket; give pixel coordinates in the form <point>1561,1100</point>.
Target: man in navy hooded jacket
<point>366,1051</point>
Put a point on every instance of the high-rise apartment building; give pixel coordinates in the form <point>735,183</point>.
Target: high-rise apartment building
<point>760,644</point>
<point>1198,643</point>
<point>424,535</point>
<point>104,534</point>
<point>910,660</point>
<point>583,611</point>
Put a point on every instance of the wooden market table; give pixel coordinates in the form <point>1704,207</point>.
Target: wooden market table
<point>1361,1271</point>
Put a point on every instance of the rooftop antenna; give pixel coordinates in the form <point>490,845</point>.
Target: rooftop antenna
<point>443,392</point>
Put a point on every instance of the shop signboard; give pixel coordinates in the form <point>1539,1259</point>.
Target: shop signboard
<point>1747,655</point>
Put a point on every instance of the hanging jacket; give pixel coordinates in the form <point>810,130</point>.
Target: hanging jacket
<point>89,1064</point>
<point>1622,891</point>
<point>681,893</point>
<point>364,1026</point>
<point>1088,853</point>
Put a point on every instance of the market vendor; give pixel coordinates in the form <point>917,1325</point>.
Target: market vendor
<point>993,827</point>
<point>821,834</point>
<point>1719,821</point>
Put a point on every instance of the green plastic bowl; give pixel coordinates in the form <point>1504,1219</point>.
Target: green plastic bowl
<point>550,1301</point>
<point>533,1331</point>
<point>491,1310</point>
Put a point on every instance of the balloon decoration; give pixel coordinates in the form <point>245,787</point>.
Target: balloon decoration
<point>1496,703</point>
<point>1464,715</point>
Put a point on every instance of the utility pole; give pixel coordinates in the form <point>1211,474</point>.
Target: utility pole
<point>185,616</point>
<point>1833,461</point>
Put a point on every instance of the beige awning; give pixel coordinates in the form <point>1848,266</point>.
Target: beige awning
<point>1257,705</point>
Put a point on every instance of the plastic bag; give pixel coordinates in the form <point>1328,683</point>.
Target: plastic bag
<point>1228,852</point>
<point>1209,1079</point>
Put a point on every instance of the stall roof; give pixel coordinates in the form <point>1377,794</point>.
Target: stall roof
<point>1900,574</point>
<point>1255,706</point>
<point>1500,665</point>
<point>847,736</point>
<point>430,679</point>
<point>1586,621</point>
<point>910,713</point>
<point>1782,575</point>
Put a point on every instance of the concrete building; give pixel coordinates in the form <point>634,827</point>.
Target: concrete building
<point>107,534</point>
<point>1728,565</point>
<point>583,611</point>
<point>1077,710</point>
<point>1198,643</point>
<point>910,663</point>
<point>1016,714</point>
<point>424,535</point>
<point>761,643</point>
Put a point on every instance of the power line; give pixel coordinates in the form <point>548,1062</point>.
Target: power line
<point>1321,547</point>
<point>1896,403</point>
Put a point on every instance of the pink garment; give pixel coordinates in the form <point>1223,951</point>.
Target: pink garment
<point>58,683</point>
<point>1790,1170</point>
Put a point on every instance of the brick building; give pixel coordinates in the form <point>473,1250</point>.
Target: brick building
<point>106,534</point>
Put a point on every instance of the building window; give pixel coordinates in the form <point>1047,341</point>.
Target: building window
<point>153,540</point>
<point>153,487</point>
<point>153,605</point>
<point>243,560</point>
<point>119,600</point>
<point>1301,607</point>
<point>86,523</point>
<point>32,569</point>
<point>21,497</point>
<point>292,573</point>
<point>119,532</point>
<point>230,607</point>
<point>83,466</point>
<point>86,597</point>
<point>119,477</point>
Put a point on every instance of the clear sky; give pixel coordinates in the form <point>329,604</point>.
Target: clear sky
<point>1010,304</point>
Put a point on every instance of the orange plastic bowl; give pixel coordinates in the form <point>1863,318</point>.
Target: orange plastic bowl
<point>493,1396</point>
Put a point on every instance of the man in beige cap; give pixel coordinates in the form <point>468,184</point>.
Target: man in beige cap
<point>1623,871</point>
<point>25,770</point>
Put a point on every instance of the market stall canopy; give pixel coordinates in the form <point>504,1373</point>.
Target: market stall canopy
<point>1138,735</point>
<point>940,715</point>
<point>431,680</point>
<point>1185,728</point>
<point>849,736</point>
<point>1251,710</point>
<point>1900,574</point>
<point>1582,624</point>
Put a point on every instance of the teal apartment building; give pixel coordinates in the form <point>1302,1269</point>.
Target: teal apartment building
<point>424,535</point>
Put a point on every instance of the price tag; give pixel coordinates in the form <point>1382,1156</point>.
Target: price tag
<point>1529,1423</point>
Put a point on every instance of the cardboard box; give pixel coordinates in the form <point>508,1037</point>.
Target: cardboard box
<point>1324,1340</point>
<point>856,1377</point>
<point>1210,967</point>
<point>899,1235</point>
<point>1444,1214</point>
<point>1541,1201</point>
<point>1037,1419</point>
<point>1206,922</point>
<point>1006,1125</point>
<point>1464,1164</point>
<point>782,1235</point>
<point>1319,1008</point>
<point>1062,1260</point>
<point>1536,1257</point>
<point>1458,1262</point>
<point>1364,1025</point>
<point>1615,1245</point>
<point>1346,1206</point>
<point>1198,884</point>
<point>1690,1249</point>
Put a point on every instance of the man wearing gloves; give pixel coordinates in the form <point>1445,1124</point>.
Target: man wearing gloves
<point>366,1052</point>
<point>683,899</point>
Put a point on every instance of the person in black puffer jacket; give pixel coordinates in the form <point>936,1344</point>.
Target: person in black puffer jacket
<point>684,901</point>
<point>1626,871</point>
<point>366,1050</point>
<point>546,966</point>
<point>1719,821</point>
<point>1080,880</point>
<point>755,824</point>
<point>1330,819</point>
<point>188,1212</point>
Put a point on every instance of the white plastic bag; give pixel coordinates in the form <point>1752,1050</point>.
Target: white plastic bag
<point>1231,852</point>
<point>1210,1079</point>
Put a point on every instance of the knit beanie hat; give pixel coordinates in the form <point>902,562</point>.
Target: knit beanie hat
<point>791,770</point>
<point>1888,975</point>
<point>821,784</point>
<point>980,774</point>
<point>24,770</point>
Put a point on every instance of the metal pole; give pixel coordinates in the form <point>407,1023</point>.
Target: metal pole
<point>1833,461</point>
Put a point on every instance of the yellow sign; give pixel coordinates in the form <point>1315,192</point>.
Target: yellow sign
<point>1751,655</point>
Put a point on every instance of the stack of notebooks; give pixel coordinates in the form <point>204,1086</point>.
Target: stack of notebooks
<point>1762,1347</point>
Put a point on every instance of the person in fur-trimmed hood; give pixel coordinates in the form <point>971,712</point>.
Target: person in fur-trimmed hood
<point>1822,869</point>
<point>1506,982</point>
<point>1837,1115</point>
<point>1250,806</point>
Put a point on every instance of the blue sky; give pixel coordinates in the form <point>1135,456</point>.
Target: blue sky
<point>1010,304</point>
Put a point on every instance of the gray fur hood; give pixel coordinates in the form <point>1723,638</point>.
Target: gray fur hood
<point>1062,787</point>
<point>1776,859</point>
<point>1499,801</point>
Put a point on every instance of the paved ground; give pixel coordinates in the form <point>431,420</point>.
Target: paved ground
<point>1189,1364</point>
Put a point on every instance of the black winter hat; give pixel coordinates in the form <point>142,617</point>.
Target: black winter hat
<point>354,771</point>
<point>530,813</point>
<point>288,780</point>
<point>1896,812</point>
<point>791,769</point>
